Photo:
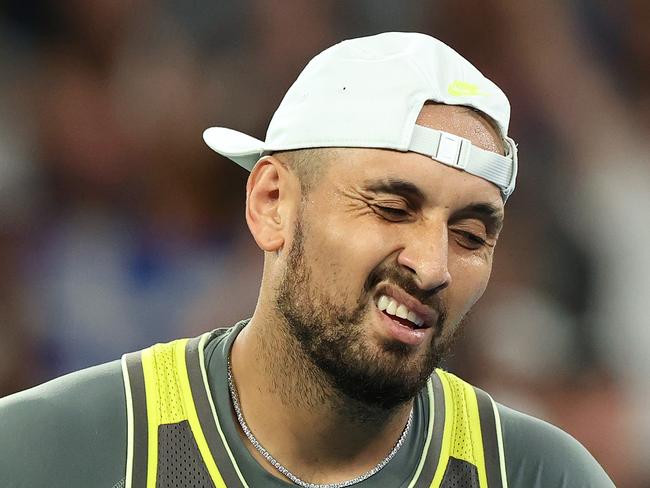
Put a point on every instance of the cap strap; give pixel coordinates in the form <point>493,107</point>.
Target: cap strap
<point>460,153</point>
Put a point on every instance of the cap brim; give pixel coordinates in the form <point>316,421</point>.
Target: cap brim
<point>237,146</point>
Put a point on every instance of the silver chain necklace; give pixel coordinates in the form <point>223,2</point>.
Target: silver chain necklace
<point>276,464</point>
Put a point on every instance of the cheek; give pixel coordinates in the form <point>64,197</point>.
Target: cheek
<point>342,255</point>
<point>470,276</point>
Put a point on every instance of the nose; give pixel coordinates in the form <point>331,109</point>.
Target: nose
<point>427,258</point>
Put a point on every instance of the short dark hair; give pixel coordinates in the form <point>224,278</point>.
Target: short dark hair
<point>307,164</point>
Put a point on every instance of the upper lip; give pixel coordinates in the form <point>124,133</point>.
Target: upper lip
<point>428,314</point>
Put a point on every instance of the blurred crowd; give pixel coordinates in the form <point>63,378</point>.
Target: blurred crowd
<point>120,228</point>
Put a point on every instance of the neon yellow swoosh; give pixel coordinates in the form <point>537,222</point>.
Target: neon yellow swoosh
<point>458,88</point>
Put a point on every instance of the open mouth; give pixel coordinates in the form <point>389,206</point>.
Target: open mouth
<point>400,313</point>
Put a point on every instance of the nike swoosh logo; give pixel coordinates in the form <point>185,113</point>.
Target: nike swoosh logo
<point>458,88</point>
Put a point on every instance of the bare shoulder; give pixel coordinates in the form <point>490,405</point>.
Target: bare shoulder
<point>539,454</point>
<point>65,432</point>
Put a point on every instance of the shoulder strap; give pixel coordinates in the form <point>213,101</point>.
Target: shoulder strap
<point>495,460</point>
<point>137,428</point>
<point>472,444</point>
<point>166,391</point>
<point>215,440</point>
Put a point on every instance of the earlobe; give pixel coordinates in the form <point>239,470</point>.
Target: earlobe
<point>264,212</point>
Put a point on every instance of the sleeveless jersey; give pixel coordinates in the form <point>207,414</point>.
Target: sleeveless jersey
<point>175,439</point>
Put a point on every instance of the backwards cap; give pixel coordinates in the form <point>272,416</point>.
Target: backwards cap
<point>368,92</point>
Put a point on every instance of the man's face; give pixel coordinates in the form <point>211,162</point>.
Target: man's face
<point>384,226</point>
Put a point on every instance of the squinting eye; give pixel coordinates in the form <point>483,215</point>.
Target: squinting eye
<point>392,213</point>
<point>470,241</point>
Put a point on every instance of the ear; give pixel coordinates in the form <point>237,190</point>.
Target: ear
<point>270,193</point>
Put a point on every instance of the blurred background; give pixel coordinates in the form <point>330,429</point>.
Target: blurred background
<point>120,228</point>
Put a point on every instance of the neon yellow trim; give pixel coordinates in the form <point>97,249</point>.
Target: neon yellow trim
<point>502,456</point>
<point>447,435</point>
<point>153,414</point>
<point>129,424</point>
<point>192,416</point>
<point>475,432</point>
<point>461,447</point>
<point>427,442</point>
<point>170,403</point>
<point>206,385</point>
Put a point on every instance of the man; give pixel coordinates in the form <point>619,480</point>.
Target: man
<point>377,198</point>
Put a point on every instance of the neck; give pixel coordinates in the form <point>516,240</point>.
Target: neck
<point>294,412</point>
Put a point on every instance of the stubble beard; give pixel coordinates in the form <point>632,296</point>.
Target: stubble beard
<point>331,336</point>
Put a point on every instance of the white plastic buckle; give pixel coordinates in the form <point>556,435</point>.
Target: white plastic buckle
<point>449,150</point>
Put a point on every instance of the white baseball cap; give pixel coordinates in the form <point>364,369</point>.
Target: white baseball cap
<point>368,92</point>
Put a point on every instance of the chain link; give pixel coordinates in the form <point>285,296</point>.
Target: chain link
<point>276,464</point>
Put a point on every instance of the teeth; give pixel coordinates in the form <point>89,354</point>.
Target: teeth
<point>383,302</point>
<point>392,307</point>
<point>402,312</point>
